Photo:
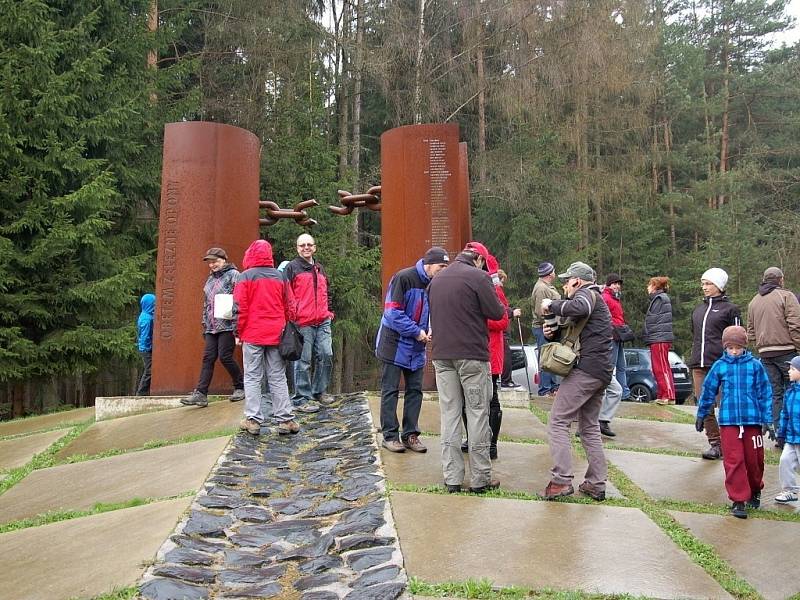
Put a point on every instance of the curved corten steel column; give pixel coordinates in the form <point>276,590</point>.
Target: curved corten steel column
<point>425,198</point>
<point>209,197</point>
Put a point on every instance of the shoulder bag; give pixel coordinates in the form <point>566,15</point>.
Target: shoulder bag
<point>291,345</point>
<point>558,358</point>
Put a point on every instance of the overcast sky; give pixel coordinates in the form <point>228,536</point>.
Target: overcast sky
<point>790,36</point>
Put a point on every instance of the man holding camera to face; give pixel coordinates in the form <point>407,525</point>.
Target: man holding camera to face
<point>580,395</point>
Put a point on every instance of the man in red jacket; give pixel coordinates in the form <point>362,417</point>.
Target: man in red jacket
<point>265,303</point>
<point>309,285</point>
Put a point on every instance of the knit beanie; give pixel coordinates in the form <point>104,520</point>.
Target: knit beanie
<point>736,335</point>
<point>545,269</point>
<point>716,276</point>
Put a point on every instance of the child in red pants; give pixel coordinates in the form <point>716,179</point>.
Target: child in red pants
<point>745,414</point>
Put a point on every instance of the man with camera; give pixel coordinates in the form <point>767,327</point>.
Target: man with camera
<point>580,395</point>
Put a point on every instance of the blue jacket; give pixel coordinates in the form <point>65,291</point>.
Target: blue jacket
<point>144,326</point>
<point>789,422</point>
<point>405,314</point>
<point>746,392</point>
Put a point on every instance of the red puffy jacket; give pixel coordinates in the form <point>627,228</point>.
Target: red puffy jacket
<point>309,285</point>
<point>263,297</point>
<point>497,327</point>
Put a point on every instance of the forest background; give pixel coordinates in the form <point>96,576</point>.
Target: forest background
<point>645,137</point>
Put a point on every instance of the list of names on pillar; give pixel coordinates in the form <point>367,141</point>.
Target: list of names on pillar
<point>438,176</point>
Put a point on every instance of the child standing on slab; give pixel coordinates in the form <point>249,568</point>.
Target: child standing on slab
<point>789,436</point>
<point>745,414</point>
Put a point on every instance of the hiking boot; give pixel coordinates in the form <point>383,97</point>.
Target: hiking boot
<point>605,429</point>
<point>288,427</point>
<point>786,496</point>
<point>755,500</point>
<point>307,407</point>
<point>492,485</point>
<point>592,491</point>
<point>325,399</point>
<point>555,490</point>
<point>236,396</point>
<point>453,489</point>
<point>250,426</point>
<point>412,443</point>
<point>714,452</point>
<point>738,510</point>
<point>195,399</point>
<point>393,445</point>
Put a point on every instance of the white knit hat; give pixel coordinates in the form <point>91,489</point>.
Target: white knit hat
<point>716,276</point>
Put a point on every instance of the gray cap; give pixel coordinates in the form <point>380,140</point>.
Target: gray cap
<point>773,273</point>
<point>795,362</point>
<point>579,269</point>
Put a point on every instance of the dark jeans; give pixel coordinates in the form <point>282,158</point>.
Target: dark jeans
<point>412,400</point>
<point>505,376</point>
<point>143,389</point>
<point>778,373</point>
<point>547,381</point>
<point>219,345</point>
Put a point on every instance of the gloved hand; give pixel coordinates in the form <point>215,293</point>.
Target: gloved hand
<point>698,424</point>
<point>769,430</point>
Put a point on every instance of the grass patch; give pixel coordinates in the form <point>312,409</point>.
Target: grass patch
<point>540,413</point>
<point>46,458</point>
<point>98,508</point>
<point>770,458</point>
<point>484,589</point>
<point>128,593</point>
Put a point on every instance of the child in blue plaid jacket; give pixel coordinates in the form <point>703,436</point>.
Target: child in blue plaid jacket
<point>745,414</point>
<point>789,432</point>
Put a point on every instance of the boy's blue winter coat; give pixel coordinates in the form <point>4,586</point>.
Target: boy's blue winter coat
<point>144,325</point>
<point>746,392</point>
<point>789,423</point>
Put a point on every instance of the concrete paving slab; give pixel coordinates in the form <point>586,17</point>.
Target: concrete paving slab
<point>111,407</point>
<point>684,478</point>
<point>518,423</point>
<point>519,467</point>
<point>133,432</point>
<point>40,423</point>
<point>148,474</point>
<point>544,544</point>
<point>85,557</point>
<point>18,451</point>
<point>770,569</point>
<point>638,433</point>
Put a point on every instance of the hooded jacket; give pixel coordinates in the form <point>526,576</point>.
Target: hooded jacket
<point>595,337</point>
<point>709,319</point>
<point>309,285</point>
<point>773,321</point>
<point>789,422</point>
<point>263,298</point>
<point>746,397</point>
<point>497,327</point>
<point>462,298</point>
<point>658,320</point>
<point>144,325</point>
<point>614,306</point>
<point>405,314</point>
<point>219,282</point>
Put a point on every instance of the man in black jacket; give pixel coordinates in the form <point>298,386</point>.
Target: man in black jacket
<point>461,299</point>
<point>580,395</point>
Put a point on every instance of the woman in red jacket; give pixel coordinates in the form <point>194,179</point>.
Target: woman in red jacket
<point>265,303</point>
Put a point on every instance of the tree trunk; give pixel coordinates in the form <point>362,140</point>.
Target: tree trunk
<point>668,151</point>
<point>481,106</point>
<point>152,27</point>
<point>723,151</point>
<point>418,64</point>
<point>357,77</point>
<point>342,99</point>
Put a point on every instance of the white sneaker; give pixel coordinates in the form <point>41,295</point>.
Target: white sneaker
<point>786,496</point>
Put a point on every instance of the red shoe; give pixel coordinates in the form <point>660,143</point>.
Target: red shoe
<point>555,490</point>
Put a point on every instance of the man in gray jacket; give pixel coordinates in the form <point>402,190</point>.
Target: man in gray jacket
<point>580,395</point>
<point>461,299</point>
<point>773,327</point>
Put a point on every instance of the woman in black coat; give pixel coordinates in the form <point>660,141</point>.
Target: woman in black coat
<point>658,335</point>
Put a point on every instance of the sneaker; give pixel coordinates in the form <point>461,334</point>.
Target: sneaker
<point>288,427</point>
<point>453,489</point>
<point>555,490</point>
<point>605,429</point>
<point>325,399</point>
<point>307,407</point>
<point>786,496</point>
<point>412,443</point>
<point>738,510</point>
<point>236,396</point>
<point>755,500</point>
<point>592,491</point>
<point>195,399</point>
<point>393,446</point>
<point>512,387</point>
<point>250,426</point>
<point>492,485</point>
<point>714,452</point>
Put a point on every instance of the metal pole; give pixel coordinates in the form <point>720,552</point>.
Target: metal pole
<point>525,356</point>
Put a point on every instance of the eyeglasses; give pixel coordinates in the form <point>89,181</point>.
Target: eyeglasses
<point>306,245</point>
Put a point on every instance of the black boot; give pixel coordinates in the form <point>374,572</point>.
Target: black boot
<point>495,421</point>
<point>605,429</point>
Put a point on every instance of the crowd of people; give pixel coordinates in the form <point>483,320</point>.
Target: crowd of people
<point>455,312</point>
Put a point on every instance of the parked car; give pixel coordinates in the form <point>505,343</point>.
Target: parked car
<point>642,382</point>
<point>523,361</point>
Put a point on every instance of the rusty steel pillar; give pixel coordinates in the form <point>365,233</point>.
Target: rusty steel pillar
<point>425,198</point>
<point>209,197</point>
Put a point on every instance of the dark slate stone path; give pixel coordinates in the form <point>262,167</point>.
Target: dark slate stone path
<point>302,514</point>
